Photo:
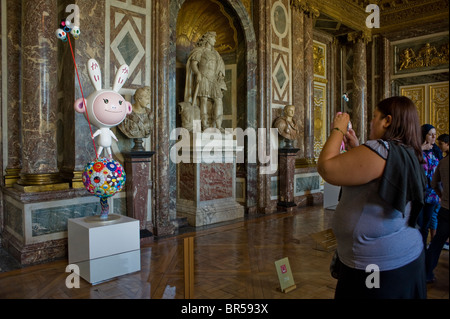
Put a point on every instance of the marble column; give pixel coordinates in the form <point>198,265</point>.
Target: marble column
<point>286,168</point>
<point>161,58</point>
<point>78,148</point>
<point>385,69</point>
<point>359,116</point>
<point>298,75</point>
<point>39,98</point>
<point>309,89</point>
<point>303,21</point>
<point>263,114</point>
<point>13,24</point>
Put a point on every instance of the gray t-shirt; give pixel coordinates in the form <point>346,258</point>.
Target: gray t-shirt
<point>369,230</point>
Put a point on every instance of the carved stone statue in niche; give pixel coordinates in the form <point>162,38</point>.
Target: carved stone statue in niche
<point>205,80</point>
<point>286,125</point>
<point>139,123</point>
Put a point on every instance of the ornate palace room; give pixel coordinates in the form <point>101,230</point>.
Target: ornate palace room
<point>169,149</point>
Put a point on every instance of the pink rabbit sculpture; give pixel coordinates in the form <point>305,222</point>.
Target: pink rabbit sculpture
<point>104,108</point>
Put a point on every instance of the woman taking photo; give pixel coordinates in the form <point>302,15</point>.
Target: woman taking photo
<point>382,194</point>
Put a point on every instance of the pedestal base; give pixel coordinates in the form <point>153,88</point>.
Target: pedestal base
<point>137,166</point>
<point>211,212</point>
<point>206,187</point>
<point>286,170</point>
<point>104,250</point>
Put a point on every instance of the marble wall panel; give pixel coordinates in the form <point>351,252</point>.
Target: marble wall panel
<point>281,51</point>
<point>187,185</point>
<point>39,222</point>
<point>128,41</point>
<point>14,218</point>
<point>54,220</point>
<point>307,184</point>
<point>216,180</point>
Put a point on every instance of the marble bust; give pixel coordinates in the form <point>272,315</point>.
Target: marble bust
<point>140,122</point>
<point>286,125</point>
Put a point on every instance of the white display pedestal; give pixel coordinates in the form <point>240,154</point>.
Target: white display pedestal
<point>104,249</point>
<point>330,196</point>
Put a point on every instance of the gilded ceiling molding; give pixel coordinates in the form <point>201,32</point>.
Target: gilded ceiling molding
<point>402,14</point>
<point>306,7</point>
<point>347,12</point>
<point>365,36</point>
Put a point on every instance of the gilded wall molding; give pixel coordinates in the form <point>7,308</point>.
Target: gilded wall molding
<point>365,36</point>
<point>307,7</point>
<point>345,11</point>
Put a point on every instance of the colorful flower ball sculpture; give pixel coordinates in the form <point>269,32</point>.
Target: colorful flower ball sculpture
<point>103,178</point>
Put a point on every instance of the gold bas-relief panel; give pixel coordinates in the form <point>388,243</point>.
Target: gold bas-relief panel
<point>417,95</point>
<point>320,94</point>
<point>426,56</point>
<point>320,66</point>
<point>439,104</point>
<point>320,112</point>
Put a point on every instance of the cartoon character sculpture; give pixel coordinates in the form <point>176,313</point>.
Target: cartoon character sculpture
<point>103,177</point>
<point>105,108</point>
<point>65,28</point>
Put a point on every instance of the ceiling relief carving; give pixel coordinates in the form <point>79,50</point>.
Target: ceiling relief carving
<point>195,18</point>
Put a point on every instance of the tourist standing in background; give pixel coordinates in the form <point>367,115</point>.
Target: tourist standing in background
<point>431,155</point>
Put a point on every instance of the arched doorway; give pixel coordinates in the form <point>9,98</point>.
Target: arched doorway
<point>236,42</point>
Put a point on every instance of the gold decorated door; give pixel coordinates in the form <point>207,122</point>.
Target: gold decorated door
<point>432,103</point>
<point>320,96</point>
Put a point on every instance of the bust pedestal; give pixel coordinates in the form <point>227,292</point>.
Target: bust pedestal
<point>286,168</point>
<point>206,184</point>
<point>137,168</point>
